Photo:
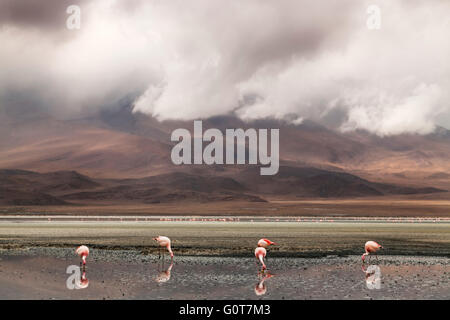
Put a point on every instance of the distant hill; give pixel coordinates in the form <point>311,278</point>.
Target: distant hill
<point>123,156</point>
<point>18,197</point>
<point>18,187</point>
<point>313,182</point>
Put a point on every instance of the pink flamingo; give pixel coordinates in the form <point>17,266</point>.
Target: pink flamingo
<point>164,242</point>
<point>83,252</point>
<point>260,251</point>
<point>370,247</point>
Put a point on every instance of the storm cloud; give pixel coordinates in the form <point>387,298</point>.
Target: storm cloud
<point>256,59</point>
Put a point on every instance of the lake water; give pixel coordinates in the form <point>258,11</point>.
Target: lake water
<point>40,273</point>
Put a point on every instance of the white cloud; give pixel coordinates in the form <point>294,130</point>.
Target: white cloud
<point>257,59</point>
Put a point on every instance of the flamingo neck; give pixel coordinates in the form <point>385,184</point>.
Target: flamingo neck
<point>261,259</point>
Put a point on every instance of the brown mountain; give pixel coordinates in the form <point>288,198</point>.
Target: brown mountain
<point>18,187</point>
<point>44,144</point>
<point>125,156</point>
<point>18,197</point>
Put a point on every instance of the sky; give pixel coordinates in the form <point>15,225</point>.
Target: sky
<point>286,59</point>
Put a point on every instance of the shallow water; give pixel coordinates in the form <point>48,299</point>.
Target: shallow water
<point>40,273</point>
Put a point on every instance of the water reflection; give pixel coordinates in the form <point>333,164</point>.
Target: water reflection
<point>164,273</point>
<point>84,281</point>
<point>77,277</point>
<point>260,287</point>
<point>372,276</point>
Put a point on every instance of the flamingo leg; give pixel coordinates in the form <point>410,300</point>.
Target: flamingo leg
<point>257,266</point>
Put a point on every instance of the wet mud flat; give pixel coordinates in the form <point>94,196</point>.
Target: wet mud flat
<point>40,273</point>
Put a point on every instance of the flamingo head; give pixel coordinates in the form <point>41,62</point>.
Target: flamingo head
<point>363,257</point>
<point>265,243</point>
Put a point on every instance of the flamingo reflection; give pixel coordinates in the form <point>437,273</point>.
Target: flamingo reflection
<point>84,281</point>
<point>372,276</point>
<point>164,275</point>
<point>260,287</point>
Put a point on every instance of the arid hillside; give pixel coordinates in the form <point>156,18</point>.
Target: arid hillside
<point>123,156</point>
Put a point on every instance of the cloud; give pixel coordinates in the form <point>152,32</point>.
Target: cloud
<point>290,58</point>
<point>389,81</point>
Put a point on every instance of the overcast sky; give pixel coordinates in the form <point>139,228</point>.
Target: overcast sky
<point>187,59</point>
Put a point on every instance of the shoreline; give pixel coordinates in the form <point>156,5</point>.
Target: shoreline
<point>234,238</point>
<point>152,253</point>
<point>216,218</point>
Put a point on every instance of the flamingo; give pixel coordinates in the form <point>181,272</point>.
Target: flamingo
<point>370,247</point>
<point>164,242</point>
<point>83,252</point>
<point>260,251</point>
